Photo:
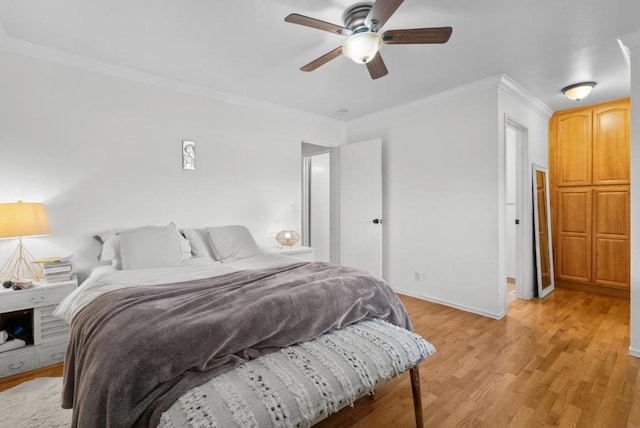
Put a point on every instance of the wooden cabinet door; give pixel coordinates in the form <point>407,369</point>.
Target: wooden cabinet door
<point>611,144</point>
<point>574,230</point>
<point>574,149</point>
<point>611,259</point>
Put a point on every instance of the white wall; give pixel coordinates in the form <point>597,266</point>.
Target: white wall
<point>633,41</point>
<point>439,196</point>
<point>103,152</point>
<point>444,193</point>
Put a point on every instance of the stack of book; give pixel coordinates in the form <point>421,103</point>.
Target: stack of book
<point>56,269</point>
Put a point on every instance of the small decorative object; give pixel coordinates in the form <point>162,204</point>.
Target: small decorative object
<point>20,219</point>
<point>188,154</point>
<point>288,238</point>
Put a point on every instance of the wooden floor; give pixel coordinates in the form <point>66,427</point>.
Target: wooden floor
<point>562,361</point>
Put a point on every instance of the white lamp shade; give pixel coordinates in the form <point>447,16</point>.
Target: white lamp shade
<point>23,219</point>
<point>362,47</point>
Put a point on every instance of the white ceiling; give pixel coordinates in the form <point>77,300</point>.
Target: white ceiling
<point>245,47</point>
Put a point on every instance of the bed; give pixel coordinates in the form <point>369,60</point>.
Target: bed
<point>238,337</point>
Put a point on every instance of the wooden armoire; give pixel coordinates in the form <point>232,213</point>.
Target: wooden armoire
<point>589,180</point>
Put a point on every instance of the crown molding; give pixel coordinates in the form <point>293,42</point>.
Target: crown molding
<point>488,83</point>
<point>34,51</point>
<point>632,40</point>
<point>524,96</point>
<point>501,81</point>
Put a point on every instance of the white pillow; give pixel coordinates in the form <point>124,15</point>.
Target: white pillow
<point>232,243</point>
<point>200,243</point>
<point>110,251</point>
<point>150,247</point>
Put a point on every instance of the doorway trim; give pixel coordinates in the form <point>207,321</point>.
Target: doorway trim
<point>523,276</point>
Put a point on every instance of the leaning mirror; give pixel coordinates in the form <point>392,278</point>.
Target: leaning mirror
<point>542,226</point>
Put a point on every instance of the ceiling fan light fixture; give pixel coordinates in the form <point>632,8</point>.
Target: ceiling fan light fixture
<point>578,91</point>
<point>362,47</point>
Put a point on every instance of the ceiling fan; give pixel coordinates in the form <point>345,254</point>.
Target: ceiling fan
<point>362,23</point>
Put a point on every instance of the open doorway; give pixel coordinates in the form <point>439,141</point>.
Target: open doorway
<point>517,223</point>
<point>316,200</point>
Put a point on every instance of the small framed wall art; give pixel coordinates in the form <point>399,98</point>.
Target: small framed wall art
<point>188,154</point>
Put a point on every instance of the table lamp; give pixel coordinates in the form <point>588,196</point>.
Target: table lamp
<point>20,219</point>
<point>287,238</point>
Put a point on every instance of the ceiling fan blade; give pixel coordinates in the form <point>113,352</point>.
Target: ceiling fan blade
<point>323,59</point>
<point>295,18</point>
<point>417,36</point>
<point>380,13</point>
<point>376,67</point>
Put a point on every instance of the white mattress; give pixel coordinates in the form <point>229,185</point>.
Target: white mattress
<point>106,278</point>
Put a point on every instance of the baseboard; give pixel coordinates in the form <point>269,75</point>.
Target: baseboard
<point>496,316</point>
<point>634,352</point>
<point>589,288</point>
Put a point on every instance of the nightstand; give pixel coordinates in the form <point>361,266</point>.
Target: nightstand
<point>305,253</point>
<point>50,334</point>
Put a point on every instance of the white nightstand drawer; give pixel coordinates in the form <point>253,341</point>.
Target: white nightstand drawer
<point>18,361</point>
<point>13,300</point>
<point>51,354</point>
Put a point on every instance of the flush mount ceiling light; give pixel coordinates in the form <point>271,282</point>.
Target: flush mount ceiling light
<point>578,91</point>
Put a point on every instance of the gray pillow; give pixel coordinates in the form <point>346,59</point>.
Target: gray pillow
<point>232,243</point>
<point>150,247</point>
<point>200,242</point>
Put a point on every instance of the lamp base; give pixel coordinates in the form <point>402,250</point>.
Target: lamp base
<point>19,266</point>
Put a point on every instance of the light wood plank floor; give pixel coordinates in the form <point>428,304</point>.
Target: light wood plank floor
<point>562,361</point>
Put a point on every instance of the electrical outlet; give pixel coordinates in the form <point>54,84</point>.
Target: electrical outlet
<point>418,275</point>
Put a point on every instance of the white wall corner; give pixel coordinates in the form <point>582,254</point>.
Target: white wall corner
<point>634,352</point>
<point>524,96</point>
<point>631,40</point>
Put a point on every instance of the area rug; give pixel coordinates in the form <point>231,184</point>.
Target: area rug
<point>34,404</point>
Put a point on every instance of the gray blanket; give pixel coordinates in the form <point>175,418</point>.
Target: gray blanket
<point>133,352</point>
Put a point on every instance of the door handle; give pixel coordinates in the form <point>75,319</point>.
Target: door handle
<point>377,221</point>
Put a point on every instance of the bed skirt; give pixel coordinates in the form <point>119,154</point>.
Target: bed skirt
<point>300,385</point>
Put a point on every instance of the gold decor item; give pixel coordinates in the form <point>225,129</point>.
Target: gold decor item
<point>288,238</point>
<point>20,219</point>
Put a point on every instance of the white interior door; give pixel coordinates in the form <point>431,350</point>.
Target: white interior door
<point>361,205</point>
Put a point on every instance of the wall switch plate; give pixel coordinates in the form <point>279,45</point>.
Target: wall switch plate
<point>418,275</point>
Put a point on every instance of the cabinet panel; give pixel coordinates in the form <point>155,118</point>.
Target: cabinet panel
<point>574,149</point>
<point>574,234</point>
<point>611,212</point>
<point>574,210</point>
<point>611,230</point>
<point>611,144</point>
<point>611,263</point>
<point>575,261</point>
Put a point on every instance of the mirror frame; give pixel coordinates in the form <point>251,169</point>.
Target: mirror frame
<point>542,292</point>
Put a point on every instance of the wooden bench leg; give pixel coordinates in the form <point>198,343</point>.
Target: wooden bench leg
<point>417,397</point>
